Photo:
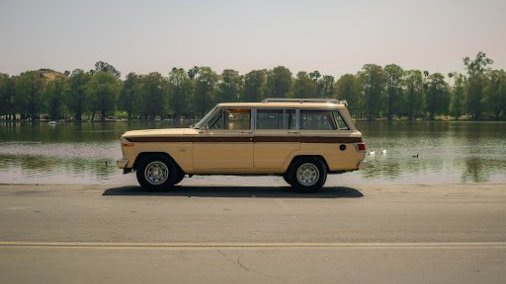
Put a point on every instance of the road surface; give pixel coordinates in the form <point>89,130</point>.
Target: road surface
<point>227,234</point>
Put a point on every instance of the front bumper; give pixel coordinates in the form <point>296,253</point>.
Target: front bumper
<point>122,163</point>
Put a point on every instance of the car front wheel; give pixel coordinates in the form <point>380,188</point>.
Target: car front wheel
<point>157,172</point>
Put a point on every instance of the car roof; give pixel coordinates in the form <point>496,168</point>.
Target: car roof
<point>288,104</point>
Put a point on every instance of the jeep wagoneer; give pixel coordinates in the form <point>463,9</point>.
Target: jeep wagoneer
<point>301,140</point>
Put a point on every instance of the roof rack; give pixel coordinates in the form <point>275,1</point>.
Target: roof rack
<point>283,100</point>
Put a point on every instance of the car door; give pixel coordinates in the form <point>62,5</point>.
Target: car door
<point>226,145</point>
<point>276,138</point>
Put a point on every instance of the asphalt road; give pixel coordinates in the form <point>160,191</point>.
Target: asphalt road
<point>248,234</point>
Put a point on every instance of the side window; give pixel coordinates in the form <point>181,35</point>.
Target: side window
<point>340,121</point>
<point>316,120</point>
<point>232,119</point>
<point>276,119</point>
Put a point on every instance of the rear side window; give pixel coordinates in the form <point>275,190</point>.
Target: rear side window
<point>317,120</point>
<point>340,121</point>
<point>276,119</point>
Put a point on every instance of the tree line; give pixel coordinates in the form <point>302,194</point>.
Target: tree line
<point>375,92</point>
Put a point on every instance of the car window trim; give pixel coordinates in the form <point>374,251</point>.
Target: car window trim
<point>297,112</point>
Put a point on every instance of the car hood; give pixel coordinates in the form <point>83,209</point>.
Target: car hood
<point>160,132</point>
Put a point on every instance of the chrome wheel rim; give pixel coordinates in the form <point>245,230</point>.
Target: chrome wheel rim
<point>156,172</point>
<point>308,174</point>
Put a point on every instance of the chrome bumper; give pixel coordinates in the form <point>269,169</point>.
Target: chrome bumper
<point>121,163</point>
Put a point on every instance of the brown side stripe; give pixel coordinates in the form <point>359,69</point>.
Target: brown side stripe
<point>319,139</point>
<point>272,139</point>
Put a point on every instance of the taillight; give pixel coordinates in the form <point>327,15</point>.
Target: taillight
<point>361,146</point>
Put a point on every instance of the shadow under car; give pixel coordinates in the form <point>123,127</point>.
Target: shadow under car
<point>235,191</point>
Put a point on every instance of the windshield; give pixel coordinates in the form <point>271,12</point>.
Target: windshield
<point>206,118</point>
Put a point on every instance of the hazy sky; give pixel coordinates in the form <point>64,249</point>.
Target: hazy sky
<point>334,37</point>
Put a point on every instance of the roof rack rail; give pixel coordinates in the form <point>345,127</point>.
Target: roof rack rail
<point>283,100</point>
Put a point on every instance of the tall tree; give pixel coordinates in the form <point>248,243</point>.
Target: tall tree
<point>192,73</point>
<point>495,93</point>
<point>103,89</point>
<point>394,90</point>
<point>315,76</point>
<point>101,66</point>
<point>254,86</point>
<point>205,90</point>
<point>230,86</point>
<point>348,88</point>
<point>130,96</point>
<point>415,95</point>
<point>7,99</point>
<point>279,83</point>
<point>304,86</point>
<point>457,95</point>
<point>476,83</point>
<point>438,95</point>
<point>154,92</point>
<point>325,87</point>
<point>54,97</point>
<point>29,89</point>
<point>373,82</point>
<point>180,92</point>
<point>77,97</point>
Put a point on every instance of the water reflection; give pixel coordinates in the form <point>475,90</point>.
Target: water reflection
<point>61,170</point>
<point>448,152</point>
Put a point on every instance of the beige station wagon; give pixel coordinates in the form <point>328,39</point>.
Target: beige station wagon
<point>301,140</point>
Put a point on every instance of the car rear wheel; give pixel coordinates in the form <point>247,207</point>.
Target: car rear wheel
<point>307,174</point>
<point>157,172</point>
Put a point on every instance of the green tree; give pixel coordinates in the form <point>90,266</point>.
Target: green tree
<point>414,92</point>
<point>130,96</point>
<point>348,88</point>
<point>77,98</point>
<point>154,92</point>
<point>325,87</point>
<point>373,79</point>
<point>394,90</point>
<point>192,73</point>
<point>205,89</point>
<point>103,90</point>
<point>458,95</point>
<point>230,86</point>
<point>315,76</point>
<point>304,86</point>
<point>54,97</point>
<point>438,95</point>
<point>476,83</point>
<point>254,86</point>
<point>495,93</point>
<point>180,92</point>
<point>7,99</point>
<point>101,66</point>
<point>30,87</point>
<point>279,83</point>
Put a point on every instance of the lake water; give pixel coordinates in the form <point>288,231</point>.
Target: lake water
<point>448,152</point>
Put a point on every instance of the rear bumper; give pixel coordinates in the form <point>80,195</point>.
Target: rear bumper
<point>122,163</point>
